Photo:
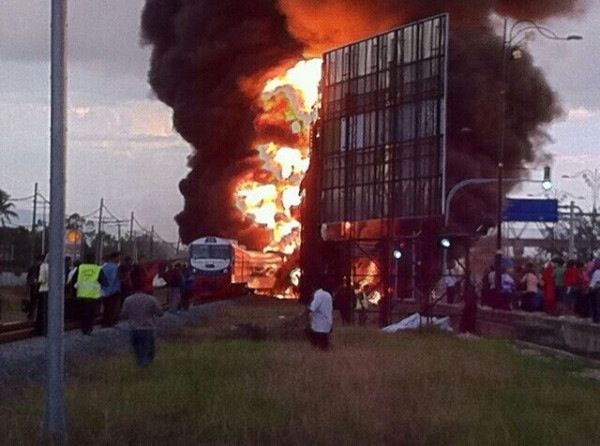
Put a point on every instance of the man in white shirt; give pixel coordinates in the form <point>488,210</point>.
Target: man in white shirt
<point>321,318</point>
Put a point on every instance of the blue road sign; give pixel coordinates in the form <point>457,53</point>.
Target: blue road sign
<point>531,209</point>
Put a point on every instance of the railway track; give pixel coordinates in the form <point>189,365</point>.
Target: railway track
<point>20,330</point>
<point>17,331</point>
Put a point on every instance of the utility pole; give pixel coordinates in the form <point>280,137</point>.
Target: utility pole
<point>119,235</point>
<point>99,236</point>
<point>131,243</point>
<point>572,254</point>
<point>54,429</point>
<point>152,242</point>
<point>33,222</point>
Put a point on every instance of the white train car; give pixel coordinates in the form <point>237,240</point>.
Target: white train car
<point>223,268</point>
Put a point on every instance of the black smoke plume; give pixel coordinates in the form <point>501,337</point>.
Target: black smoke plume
<point>210,59</point>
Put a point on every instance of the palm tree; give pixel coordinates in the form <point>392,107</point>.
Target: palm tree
<point>6,212</point>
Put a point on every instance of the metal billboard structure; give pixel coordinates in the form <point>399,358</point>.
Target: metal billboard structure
<point>377,175</point>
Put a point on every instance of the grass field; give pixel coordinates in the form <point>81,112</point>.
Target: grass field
<point>214,385</point>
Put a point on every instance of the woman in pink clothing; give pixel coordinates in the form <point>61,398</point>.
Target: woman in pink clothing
<point>531,281</point>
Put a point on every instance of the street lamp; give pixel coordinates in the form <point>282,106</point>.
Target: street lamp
<point>511,50</point>
<point>592,180</point>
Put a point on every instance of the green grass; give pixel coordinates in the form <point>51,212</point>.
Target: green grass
<point>372,388</point>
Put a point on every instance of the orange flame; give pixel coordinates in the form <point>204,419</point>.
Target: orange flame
<point>272,200</point>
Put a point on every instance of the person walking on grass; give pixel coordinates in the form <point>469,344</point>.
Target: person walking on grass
<point>320,312</point>
<point>141,310</point>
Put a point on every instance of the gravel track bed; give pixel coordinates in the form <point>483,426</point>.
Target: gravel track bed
<point>27,359</point>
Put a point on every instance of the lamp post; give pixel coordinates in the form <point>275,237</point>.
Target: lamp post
<point>592,180</point>
<point>511,50</point>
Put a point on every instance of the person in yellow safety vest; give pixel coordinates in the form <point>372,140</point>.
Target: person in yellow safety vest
<point>88,285</point>
<point>362,305</point>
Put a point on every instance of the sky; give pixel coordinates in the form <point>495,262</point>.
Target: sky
<point>121,146</point>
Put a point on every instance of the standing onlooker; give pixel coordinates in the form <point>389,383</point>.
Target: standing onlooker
<point>594,294</point>
<point>68,266</point>
<point>488,287</point>
<point>559,284</point>
<point>320,312</point>
<point>450,283</point>
<point>573,285</point>
<point>531,281</point>
<point>33,286</point>
<point>111,291</point>
<point>88,284</point>
<point>549,289</point>
<point>507,290</point>
<point>72,310</point>
<point>174,278</point>
<point>582,304</point>
<point>41,318</point>
<point>141,309</point>
<point>362,305</point>
<point>188,287</point>
<point>123,271</point>
<point>344,299</point>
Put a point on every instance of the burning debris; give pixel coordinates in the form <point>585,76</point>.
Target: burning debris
<point>222,67</point>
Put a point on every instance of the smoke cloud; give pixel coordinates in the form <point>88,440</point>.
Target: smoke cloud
<point>210,60</point>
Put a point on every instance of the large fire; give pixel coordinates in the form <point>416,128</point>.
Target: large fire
<point>272,198</point>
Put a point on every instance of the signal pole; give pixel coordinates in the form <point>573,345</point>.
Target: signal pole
<point>33,222</point>
<point>99,253</point>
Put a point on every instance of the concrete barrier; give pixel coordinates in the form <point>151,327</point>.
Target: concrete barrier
<point>569,333</point>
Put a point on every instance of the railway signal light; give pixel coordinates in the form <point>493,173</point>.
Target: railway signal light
<point>445,242</point>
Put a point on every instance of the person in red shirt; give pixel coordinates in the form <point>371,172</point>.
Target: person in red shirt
<point>150,269</point>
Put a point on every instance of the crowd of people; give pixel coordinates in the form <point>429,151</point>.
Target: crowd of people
<point>116,289</point>
<point>556,288</point>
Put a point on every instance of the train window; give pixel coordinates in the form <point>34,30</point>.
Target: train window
<point>210,251</point>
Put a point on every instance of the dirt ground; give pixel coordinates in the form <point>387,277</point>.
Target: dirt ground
<point>250,317</point>
<point>10,304</point>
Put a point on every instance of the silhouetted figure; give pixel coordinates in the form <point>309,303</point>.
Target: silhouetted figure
<point>141,309</point>
<point>33,286</point>
<point>344,299</point>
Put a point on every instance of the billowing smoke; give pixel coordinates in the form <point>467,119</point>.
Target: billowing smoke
<point>210,60</point>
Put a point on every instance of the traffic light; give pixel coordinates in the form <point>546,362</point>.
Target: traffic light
<point>547,181</point>
<point>397,253</point>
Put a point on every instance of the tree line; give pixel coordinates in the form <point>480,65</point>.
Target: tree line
<point>20,244</point>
